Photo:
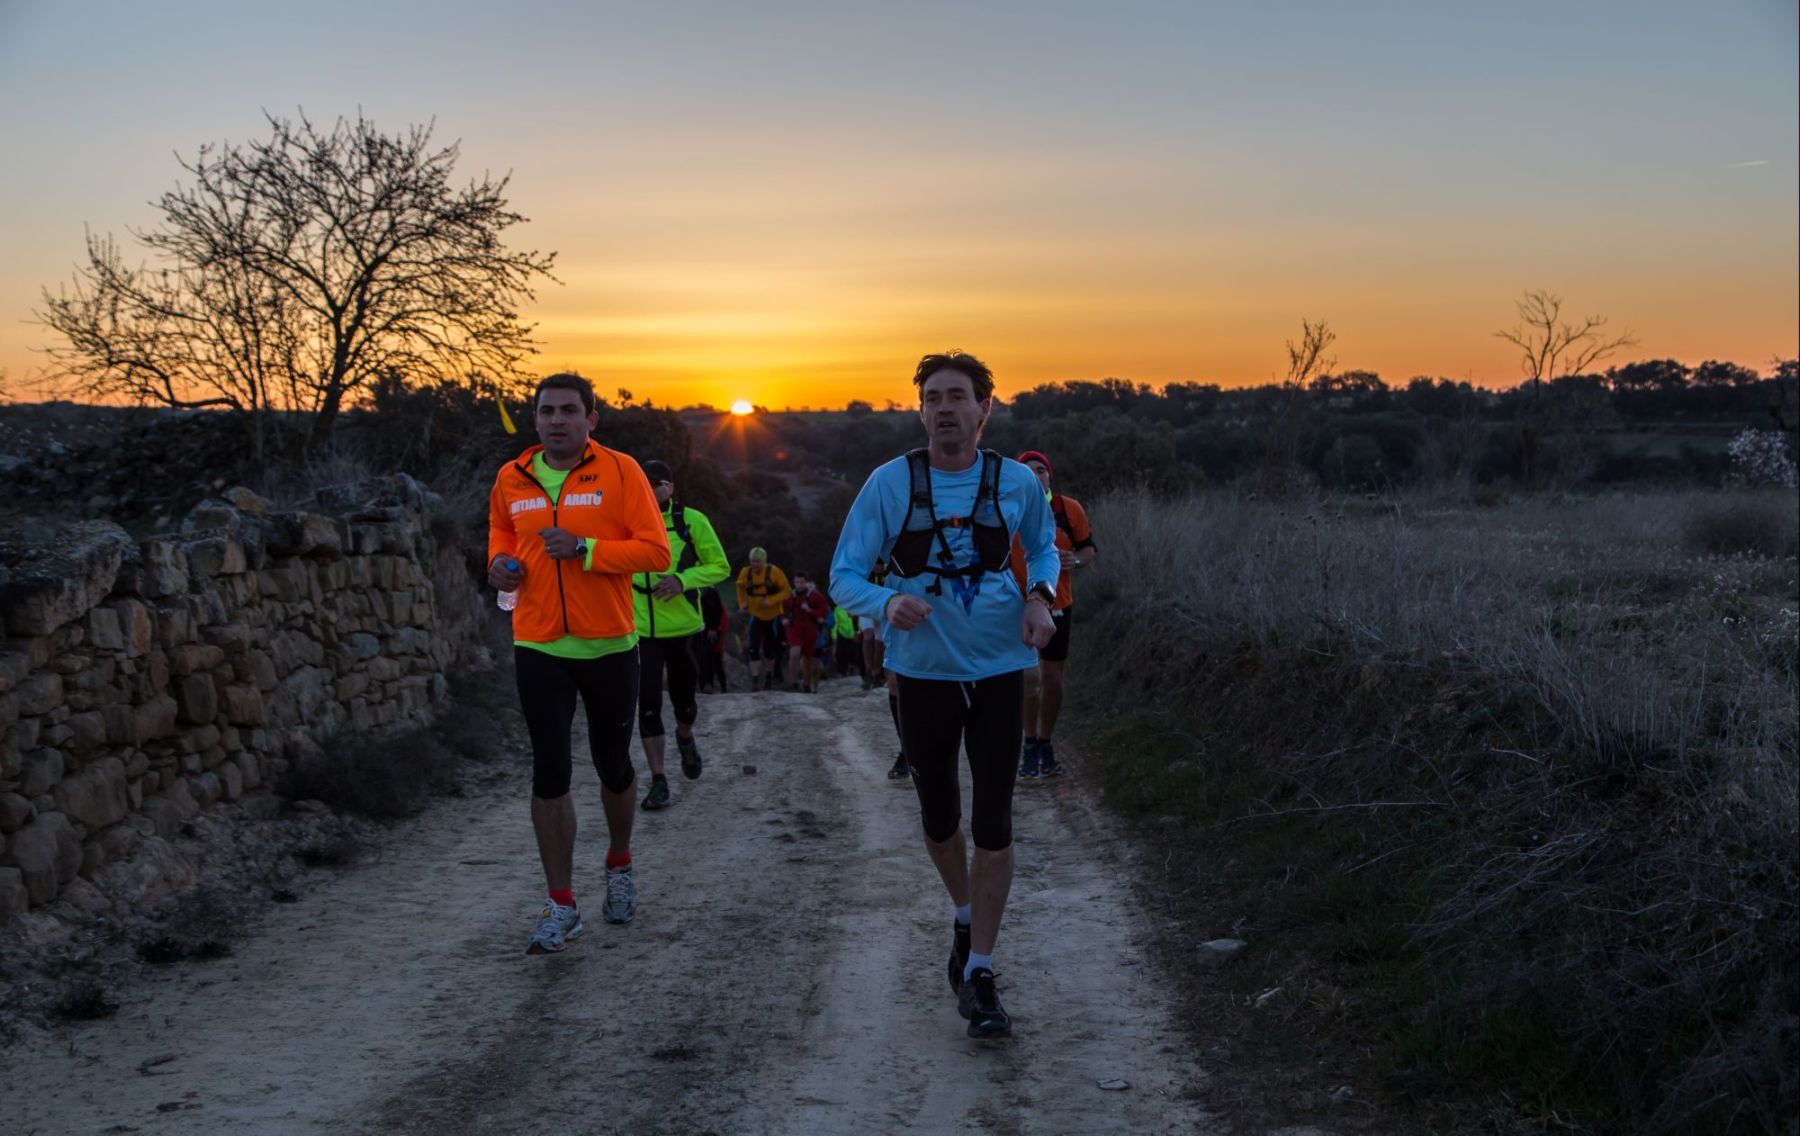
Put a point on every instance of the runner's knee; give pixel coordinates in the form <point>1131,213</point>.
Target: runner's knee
<point>684,715</point>
<point>650,723</point>
<point>991,833</point>
<point>616,774</point>
<point>549,779</point>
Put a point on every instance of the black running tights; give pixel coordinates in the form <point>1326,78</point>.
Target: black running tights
<point>548,687</point>
<point>938,718</point>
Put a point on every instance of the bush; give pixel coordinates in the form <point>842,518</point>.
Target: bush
<point>392,775</point>
<point>1740,529</point>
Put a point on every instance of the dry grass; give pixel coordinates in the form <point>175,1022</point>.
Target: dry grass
<point>1522,779</point>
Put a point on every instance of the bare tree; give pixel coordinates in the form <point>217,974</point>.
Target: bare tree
<point>1279,474</point>
<point>1306,359</point>
<point>294,271</point>
<point>1553,347</point>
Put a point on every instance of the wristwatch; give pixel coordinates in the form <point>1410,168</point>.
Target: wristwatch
<point>581,548</point>
<point>1042,591</point>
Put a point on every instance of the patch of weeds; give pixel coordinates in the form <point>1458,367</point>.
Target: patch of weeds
<point>330,852</point>
<point>385,776</point>
<point>1739,528</point>
<point>392,775</point>
<point>84,1002</point>
<point>1554,935</point>
<point>165,949</point>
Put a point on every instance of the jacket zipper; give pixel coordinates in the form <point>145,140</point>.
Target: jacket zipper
<point>562,595</point>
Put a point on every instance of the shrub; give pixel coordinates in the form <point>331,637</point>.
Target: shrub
<point>1739,528</point>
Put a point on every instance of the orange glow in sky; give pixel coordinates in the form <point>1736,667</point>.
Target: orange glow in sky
<point>1125,190</point>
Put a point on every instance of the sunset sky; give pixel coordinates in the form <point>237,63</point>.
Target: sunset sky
<point>789,203</point>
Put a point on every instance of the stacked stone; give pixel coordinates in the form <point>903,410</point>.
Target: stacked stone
<point>142,682</point>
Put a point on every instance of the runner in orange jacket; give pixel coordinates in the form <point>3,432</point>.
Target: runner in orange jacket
<point>569,521</point>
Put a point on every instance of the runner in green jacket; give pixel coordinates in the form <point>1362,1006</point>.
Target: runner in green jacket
<point>670,629</point>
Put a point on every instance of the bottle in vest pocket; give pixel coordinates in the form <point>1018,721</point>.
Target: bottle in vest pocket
<point>506,601</point>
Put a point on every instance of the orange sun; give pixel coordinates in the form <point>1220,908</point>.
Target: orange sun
<point>742,407</point>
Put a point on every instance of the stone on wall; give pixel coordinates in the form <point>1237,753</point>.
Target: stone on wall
<point>196,699</point>
<point>47,854</point>
<point>94,797</point>
<point>14,899</point>
<point>47,582</point>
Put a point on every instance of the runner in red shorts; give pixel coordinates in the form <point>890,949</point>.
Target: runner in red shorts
<point>808,610</point>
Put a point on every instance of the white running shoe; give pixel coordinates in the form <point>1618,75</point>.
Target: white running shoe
<point>621,895</point>
<point>556,926</point>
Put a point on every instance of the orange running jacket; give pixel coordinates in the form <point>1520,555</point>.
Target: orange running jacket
<point>606,499</point>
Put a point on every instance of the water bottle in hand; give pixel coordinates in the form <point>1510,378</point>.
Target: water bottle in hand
<point>506,601</point>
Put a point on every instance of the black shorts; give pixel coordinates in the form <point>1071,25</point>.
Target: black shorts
<point>939,719</point>
<point>766,638</point>
<point>548,687</point>
<point>1057,650</point>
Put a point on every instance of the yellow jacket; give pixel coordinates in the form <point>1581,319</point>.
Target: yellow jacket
<point>764,594</point>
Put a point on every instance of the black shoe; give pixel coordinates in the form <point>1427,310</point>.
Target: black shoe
<point>658,796</point>
<point>690,758</point>
<point>978,1002</point>
<point>1048,766</point>
<point>959,955</point>
<point>901,771</point>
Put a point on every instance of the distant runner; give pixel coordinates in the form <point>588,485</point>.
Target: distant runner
<point>763,593</point>
<point>1044,684</point>
<point>670,631</point>
<point>568,522</point>
<point>960,636</point>
<point>718,634</point>
<point>846,652</point>
<point>808,614</point>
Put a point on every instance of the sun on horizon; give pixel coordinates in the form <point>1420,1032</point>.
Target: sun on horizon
<point>742,407</point>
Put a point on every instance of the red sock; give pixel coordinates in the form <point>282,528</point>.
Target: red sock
<point>563,896</point>
<point>618,859</point>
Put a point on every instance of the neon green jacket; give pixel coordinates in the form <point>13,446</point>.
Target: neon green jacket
<point>841,624</point>
<point>705,565</point>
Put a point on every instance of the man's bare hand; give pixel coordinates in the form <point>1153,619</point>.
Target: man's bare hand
<point>907,612</point>
<point>667,587</point>
<point>559,543</point>
<point>503,578</point>
<point>1035,626</point>
<point>1069,559</point>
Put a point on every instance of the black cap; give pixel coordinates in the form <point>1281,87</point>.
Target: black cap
<point>657,471</point>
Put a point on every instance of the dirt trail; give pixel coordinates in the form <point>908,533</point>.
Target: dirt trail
<point>784,975</point>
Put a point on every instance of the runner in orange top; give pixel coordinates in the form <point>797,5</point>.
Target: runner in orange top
<point>568,523</point>
<point>1044,685</point>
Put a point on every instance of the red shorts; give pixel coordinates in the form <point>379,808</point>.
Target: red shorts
<point>805,636</point>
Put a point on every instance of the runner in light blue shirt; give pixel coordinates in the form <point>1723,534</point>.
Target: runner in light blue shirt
<point>960,635</point>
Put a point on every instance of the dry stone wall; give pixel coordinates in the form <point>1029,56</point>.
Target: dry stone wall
<point>144,681</point>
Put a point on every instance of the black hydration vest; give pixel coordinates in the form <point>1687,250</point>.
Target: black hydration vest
<point>758,588</point>
<point>913,553</point>
<point>688,557</point>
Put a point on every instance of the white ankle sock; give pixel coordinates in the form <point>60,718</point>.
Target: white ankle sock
<point>964,914</point>
<point>977,962</point>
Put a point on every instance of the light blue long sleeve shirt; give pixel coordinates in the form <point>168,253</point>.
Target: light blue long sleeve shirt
<point>973,631</point>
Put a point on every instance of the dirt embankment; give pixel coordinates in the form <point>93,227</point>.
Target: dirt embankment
<point>784,974</point>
